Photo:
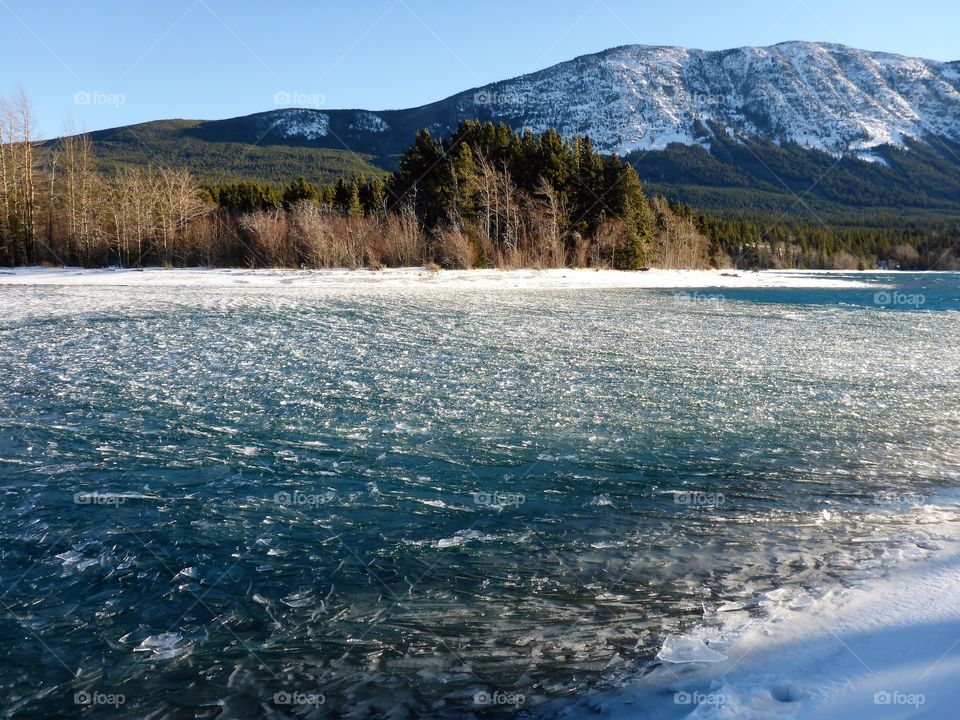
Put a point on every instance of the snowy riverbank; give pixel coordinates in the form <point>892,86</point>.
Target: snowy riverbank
<point>420,277</point>
<point>886,648</point>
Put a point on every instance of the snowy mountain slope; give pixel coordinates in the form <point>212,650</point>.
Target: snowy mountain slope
<point>829,97</point>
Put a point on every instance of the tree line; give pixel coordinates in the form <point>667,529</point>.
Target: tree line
<point>751,241</point>
<point>488,196</point>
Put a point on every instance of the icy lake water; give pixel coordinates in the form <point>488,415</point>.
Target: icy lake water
<point>228,502</point>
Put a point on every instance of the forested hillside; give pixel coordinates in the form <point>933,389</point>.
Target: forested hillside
<point>181,143</point>
<point>487,196</point>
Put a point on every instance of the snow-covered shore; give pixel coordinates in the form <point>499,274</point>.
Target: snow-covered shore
<point>420,277</point>
<point>885,648</point>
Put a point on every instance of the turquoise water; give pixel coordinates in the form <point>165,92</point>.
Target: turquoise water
<point>339,503</point>
<point>896,291</point>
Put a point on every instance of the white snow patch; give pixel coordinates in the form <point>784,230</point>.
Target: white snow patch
<point>445,279</point>
<point>307,124</point>
<point>368,122</point>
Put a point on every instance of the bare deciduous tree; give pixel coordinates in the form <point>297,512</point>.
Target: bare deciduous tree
<point>18,177</point>
<point>177,204</point>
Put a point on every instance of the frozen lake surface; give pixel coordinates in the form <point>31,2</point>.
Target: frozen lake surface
<point>409,501</point>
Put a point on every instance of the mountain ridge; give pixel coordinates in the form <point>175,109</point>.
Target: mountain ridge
<point>781,92</point>
<point>654,103</point>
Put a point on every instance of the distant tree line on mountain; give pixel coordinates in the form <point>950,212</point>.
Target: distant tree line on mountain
<point>749,174</point>
<point>178,144</point>
<point>486,197</point>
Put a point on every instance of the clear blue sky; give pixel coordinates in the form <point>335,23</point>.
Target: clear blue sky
<point>104,63</point>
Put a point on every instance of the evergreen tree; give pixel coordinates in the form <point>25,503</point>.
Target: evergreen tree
<point>463,177</point>
<point>354,206</point>
<point>297,190</point>
<point>419,181</point>
<point>375,197</point>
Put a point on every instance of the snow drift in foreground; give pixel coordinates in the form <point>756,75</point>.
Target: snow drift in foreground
<point>886,648</point>
<point>420,277</point>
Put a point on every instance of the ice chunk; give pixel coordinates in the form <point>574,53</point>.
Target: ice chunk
<point>300,599</point>
<point>164,646</point>
<point>680,649</point>
<point>459,538</point>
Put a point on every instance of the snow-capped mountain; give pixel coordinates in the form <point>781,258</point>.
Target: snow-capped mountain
<point>709,126</point>
<point>829,97</point>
